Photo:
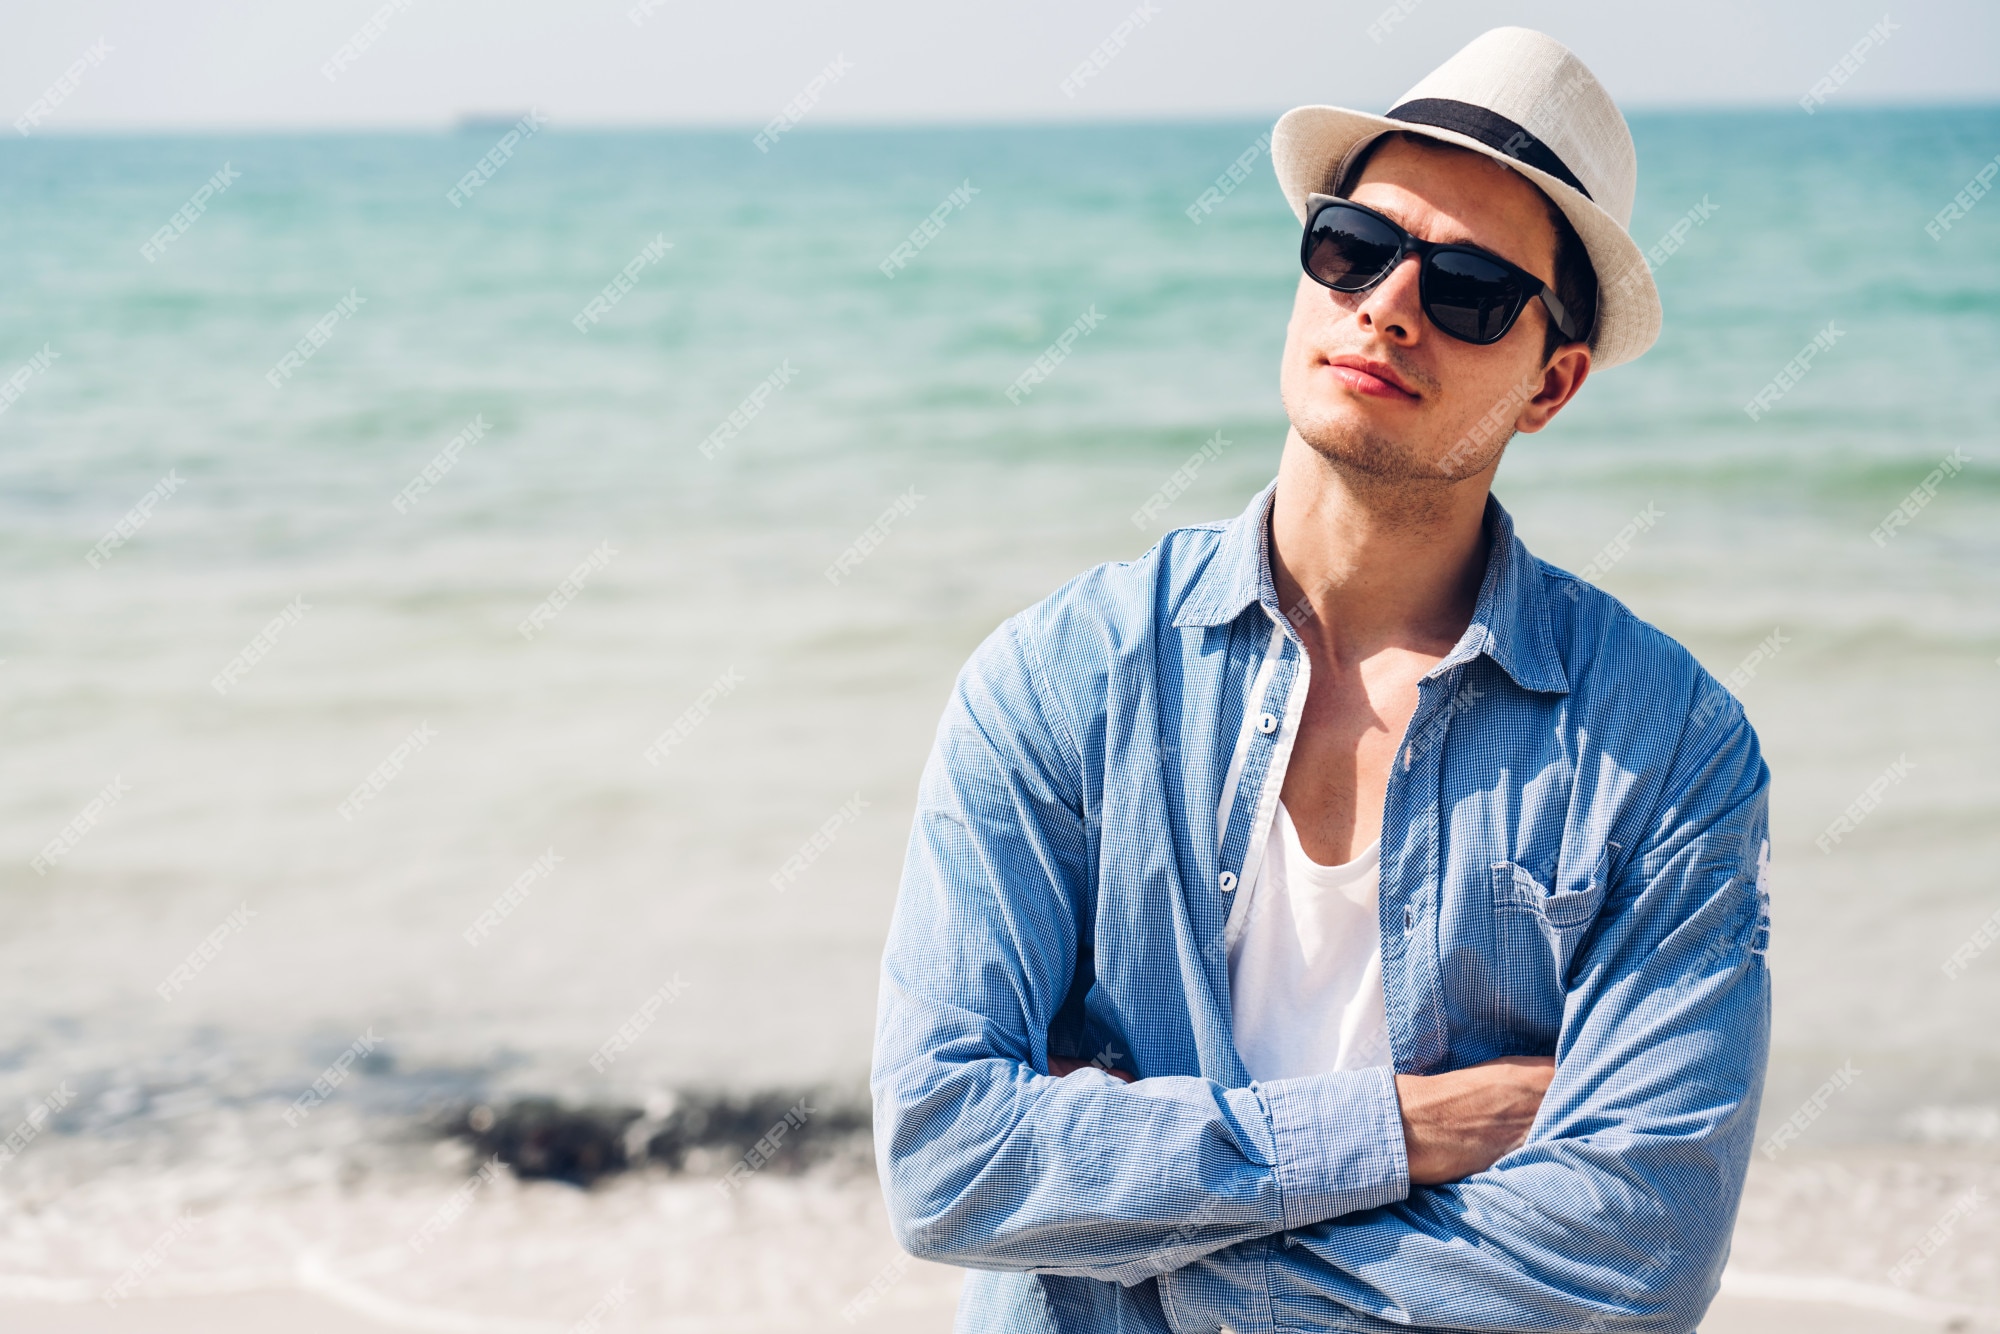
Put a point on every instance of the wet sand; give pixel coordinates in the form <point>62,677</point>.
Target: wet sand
<point>308,1313</point>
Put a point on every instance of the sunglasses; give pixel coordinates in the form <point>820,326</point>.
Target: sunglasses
<point>1470,294</point>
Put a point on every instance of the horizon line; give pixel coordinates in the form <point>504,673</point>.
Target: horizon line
<point>483,119</point>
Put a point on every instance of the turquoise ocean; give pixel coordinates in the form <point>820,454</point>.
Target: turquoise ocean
<point>213,929</point>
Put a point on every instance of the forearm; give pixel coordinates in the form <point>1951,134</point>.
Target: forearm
<point>1464,1121</point>
<point>988,1165</point>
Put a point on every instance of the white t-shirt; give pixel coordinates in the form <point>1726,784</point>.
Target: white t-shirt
<point>1305,973</point>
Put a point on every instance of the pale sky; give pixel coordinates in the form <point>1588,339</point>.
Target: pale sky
<point>195,64</point>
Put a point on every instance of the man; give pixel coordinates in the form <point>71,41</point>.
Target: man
<point>1338,918</point>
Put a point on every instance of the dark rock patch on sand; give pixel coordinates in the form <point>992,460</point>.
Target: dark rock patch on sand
<point>690,1131</point>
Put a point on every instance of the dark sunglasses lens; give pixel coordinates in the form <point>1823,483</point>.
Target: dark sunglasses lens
<point>1347,249</point>
<point>1470,297</point>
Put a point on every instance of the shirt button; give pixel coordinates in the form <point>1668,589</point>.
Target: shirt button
<point>1267,723</point>
<point>1409,917</point>
<point>1227,880</point>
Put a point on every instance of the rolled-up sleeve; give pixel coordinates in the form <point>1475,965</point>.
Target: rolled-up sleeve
<point>1339,1143</point>
<point>986,1161</point>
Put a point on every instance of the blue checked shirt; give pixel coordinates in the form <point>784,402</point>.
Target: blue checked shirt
<point>1573,864</point>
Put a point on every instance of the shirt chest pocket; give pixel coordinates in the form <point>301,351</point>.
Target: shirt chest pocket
<point>1529,912</point>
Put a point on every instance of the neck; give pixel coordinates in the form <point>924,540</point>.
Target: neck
<point>1364,563</point>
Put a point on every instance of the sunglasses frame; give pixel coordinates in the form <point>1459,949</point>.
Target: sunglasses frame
<point>1409,244</point>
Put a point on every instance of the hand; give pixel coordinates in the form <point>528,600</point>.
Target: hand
<point>1465,1121</point>
<point>1069,1065</point>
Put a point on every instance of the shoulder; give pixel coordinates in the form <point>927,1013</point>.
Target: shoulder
<point>1615,659</point>
<point>1647,720</point>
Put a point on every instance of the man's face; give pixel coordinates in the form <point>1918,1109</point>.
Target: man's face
<point>1370,382</point>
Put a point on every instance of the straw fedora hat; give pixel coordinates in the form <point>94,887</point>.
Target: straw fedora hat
<point>1523,99</point>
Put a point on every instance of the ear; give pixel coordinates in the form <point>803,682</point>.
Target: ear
<point>1561,378</point>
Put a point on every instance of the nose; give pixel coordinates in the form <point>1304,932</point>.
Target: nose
<point>1392,307</point>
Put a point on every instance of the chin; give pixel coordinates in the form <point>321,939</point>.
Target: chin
<point>1342,430</point>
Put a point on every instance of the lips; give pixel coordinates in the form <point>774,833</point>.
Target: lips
<point>1375,379</point>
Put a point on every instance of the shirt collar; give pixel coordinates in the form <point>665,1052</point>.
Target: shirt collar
<point>1510,619</point>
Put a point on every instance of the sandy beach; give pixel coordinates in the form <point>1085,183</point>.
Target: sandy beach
<point>305,1313</point>
<point>801,1252</point>
<point>1753,1302</point>
<point>308,1313</point>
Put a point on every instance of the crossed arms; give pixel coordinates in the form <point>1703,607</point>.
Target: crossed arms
<point>1400,1194</point>
<point>1454,1124</point>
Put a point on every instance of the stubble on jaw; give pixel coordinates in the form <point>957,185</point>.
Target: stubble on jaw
<point>1405,489</point>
